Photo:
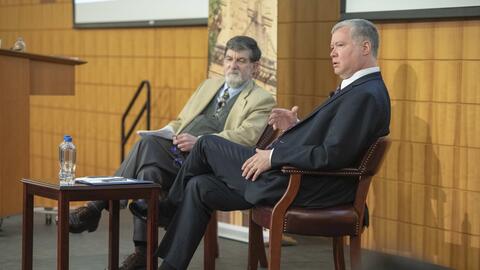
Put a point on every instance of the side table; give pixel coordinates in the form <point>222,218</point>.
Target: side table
<point>78,192</point>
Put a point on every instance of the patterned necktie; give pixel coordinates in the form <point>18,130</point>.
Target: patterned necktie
<point>221,103</point>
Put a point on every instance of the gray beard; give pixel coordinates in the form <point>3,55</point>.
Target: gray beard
<point>234,81</point>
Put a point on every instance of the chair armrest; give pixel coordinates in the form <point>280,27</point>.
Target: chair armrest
<point>294,184</point>
<point>340,172</point>
<point>296,178</point>
<point>286,200</point>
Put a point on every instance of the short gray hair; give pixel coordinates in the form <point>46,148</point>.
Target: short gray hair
<point>239,43</point>
<point>361,30</point>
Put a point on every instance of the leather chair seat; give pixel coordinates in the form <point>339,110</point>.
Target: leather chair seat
<point>333,221</point>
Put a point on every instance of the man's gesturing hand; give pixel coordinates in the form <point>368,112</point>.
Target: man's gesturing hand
<point>256,164</point>
<point>283,118</point>
<point>184,141</point>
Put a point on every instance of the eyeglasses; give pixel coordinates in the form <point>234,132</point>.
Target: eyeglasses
<point>178,156</point>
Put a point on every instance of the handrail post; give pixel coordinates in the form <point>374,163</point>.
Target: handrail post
<point>145,84</point>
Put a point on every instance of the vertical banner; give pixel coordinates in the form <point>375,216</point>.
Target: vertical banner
<point>256,19</point>
<point>253,18</point>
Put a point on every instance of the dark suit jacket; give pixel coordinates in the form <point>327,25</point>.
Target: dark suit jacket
<point>335,135</point>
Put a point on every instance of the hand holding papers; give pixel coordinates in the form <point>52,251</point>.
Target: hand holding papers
<point>165,132</point>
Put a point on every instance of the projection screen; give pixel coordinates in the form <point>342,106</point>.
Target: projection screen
<point>138,13</point>
<point>409,9</point>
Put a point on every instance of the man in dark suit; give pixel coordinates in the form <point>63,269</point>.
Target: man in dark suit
<point>221,175</point>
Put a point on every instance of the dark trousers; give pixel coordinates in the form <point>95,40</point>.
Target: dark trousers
<point>210,179</point>
<point>149,159</point>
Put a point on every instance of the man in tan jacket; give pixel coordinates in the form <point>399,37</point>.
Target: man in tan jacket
<point>234,108</point>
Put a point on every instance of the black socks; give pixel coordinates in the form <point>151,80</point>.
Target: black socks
<point>140,247</point>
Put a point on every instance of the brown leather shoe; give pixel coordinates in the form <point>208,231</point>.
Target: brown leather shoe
<point>134,261</point>
<point>84,218</point>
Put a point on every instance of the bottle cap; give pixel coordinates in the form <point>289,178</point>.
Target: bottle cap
<point>67,138</point>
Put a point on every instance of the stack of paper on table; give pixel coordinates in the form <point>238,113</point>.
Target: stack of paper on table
<point>109,180</point>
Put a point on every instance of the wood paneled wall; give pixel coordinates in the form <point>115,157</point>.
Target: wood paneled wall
<point>425,203</point>
<point>427,200</point>
<point>305,76</point>
<point>173,59</point>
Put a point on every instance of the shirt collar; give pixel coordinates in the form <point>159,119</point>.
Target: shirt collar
<point>232,91</point>
<point>357,75</point>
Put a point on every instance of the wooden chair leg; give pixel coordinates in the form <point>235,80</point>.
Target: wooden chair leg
<point>262,255</point>
<point>356,252</point>
<point>210,244</point>
<point>256,249</point>
<point>275,246</point>
<point>215,229</point>
<point>338,257</point>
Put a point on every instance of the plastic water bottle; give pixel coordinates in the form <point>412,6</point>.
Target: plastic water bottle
<point>67,156</point>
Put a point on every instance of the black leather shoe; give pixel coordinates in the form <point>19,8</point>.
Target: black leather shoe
<point>139,208</point>
<point>134,261</point>
<point>85,218</point>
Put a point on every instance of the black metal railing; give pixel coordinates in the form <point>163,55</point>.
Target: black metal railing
<point>146,107</point>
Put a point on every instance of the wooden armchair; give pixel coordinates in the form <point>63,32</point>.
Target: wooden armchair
<point>210,239</point>
<point>336,222</point>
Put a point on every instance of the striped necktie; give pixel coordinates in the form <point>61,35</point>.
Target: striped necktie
<point>221,103</point>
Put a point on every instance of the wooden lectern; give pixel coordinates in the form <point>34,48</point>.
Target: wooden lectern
<point>21,75</point>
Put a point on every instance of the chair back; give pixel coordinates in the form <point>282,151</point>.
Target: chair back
<point>268,136</point>
<point>369,166</point>
<point>373,158</point>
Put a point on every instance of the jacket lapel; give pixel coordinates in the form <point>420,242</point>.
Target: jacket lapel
<point>210,90</point>
<point>241,102</point>
<point>206,93</point>
<point>344,91</point>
